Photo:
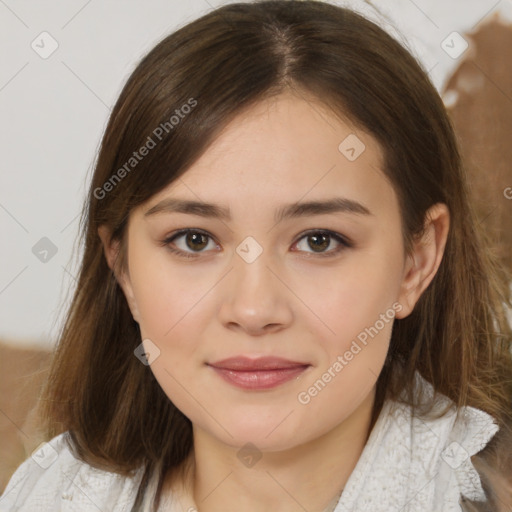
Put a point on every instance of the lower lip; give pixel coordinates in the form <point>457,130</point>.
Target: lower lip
<point>260,379</point>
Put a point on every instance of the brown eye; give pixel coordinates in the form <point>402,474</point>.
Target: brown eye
<point>196,241</point>
<point>319,241</point>
<point>191,246</point>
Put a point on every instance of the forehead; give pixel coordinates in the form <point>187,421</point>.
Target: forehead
<point>291,127</point>
<point>285,149</point>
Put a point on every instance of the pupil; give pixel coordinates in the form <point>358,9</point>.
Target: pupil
<point>325,242</point>
<point>193,237</point>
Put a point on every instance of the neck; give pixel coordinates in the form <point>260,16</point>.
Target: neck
<point>306,477</point>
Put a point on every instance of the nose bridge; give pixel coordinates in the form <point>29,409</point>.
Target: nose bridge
<point>255,297</point>
<point>252,271</point>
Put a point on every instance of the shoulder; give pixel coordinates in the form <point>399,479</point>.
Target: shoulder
<point>417,462</point>
<point>52,478</point>
<point>440,448</point>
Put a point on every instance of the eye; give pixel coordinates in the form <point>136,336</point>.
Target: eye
<point>197,240</point>
<point>320,240</point>
<point>192,238</point>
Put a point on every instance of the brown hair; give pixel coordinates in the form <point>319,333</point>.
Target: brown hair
<point>457,337</point>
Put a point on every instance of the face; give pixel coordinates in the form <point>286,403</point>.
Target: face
<point>315,286</point>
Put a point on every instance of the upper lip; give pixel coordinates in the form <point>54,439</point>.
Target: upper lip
<point>242,363</point>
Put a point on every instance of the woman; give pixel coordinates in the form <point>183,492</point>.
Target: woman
<point>284,302</point>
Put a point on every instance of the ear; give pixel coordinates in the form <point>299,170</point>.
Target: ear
<point>111,250</point>
<point>422,264</point>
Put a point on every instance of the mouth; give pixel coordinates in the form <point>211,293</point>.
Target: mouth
<point>260,373</point>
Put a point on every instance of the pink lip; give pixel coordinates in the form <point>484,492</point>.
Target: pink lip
<point>260,373</point>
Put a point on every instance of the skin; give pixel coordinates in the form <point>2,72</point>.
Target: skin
<point>289,302</point>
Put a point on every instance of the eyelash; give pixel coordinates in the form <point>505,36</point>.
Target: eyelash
<point>344,242</point>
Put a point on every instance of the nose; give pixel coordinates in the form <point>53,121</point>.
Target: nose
<point>256,299</point>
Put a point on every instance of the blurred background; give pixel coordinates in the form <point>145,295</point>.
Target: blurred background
<point>62,67</point>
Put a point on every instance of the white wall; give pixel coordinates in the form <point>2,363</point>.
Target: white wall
<point>53,111</point>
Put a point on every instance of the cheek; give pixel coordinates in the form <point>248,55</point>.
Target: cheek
<point>167,294</point>
<point>353,296</point>
<point>157,303</point>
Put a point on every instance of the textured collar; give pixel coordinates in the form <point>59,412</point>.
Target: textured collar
<point>413,464</point>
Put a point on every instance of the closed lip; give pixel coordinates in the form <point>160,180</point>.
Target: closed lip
<point>243,363</point>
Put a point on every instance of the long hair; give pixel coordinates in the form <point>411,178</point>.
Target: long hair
<point>176,101</point>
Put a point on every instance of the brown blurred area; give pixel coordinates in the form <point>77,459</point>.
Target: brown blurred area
<point>481,93</point>
<point>21,374</point>
<point>479,100</point>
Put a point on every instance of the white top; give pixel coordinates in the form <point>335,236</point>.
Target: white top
<point>408,464</point>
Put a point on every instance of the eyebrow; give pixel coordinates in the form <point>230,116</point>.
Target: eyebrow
<point>294,210</point>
